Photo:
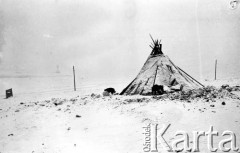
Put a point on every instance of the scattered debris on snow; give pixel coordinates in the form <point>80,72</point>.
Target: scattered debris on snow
<point>209,93</point>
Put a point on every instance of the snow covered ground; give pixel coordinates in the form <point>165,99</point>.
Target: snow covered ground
<point>59,120</point>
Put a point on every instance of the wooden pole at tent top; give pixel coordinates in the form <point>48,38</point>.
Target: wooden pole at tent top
<point>74,82</point>
<point>215,69</point>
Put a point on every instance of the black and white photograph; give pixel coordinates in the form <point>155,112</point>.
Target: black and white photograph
<point>119,76</point>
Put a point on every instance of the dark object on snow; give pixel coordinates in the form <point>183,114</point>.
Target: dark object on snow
<point>10,135</point>
<point>157,89</point>
<point>58,103</point>
<point>223,103</point>
<point>9,93</point>
<point>105,93</point>
<point>78,116</point>
<point>110,90</point>
<point>225,86</point>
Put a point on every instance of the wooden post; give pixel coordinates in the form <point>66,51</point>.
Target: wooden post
<point>215,69</point>
<point>9,93</point>
<point>74,79</point>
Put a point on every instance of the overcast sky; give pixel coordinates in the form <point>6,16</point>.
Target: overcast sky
<point>110,38</point>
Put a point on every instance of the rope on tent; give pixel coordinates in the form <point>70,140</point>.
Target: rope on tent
<point>180,71</point>
<point>190,77</point>
<point>144,85</point>
<point>134,91</point>
<point>124,90</point>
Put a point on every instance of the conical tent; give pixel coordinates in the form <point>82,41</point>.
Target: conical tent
<point>159,70</point>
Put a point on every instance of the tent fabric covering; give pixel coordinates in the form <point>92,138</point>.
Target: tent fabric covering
<point>160,70</point>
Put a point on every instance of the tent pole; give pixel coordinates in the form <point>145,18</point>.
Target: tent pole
<point>155,76</point>
<point>152,39</point>
<point>143,87</point>
<point>190,76</point>
<point>185,73</point>
<point>125,89</point>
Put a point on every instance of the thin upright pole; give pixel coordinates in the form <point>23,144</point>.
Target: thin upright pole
<point>155,76</point>
<point>215,69</point>
<point>74,79</point>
